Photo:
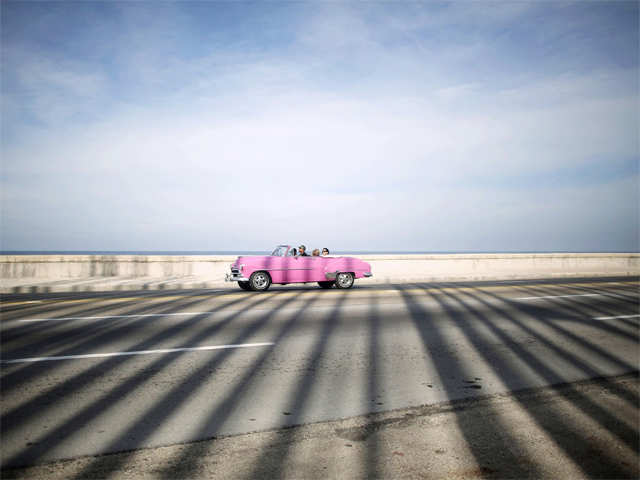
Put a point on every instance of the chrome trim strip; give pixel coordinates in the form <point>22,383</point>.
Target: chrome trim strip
<point>284,269</point>
<point>235,277</point>
<point>368,274</point>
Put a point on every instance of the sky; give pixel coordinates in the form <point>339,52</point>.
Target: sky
<point>377,126</point>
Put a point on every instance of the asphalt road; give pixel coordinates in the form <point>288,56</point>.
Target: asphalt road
<point>86,374</point>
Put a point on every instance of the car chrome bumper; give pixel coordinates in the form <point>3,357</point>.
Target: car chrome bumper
<point>332,275</point>
<point>235,277</point>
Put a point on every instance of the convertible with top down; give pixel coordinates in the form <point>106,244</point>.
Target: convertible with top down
<point>257,273</point>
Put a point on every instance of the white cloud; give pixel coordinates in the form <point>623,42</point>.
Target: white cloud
<point>258,148</point>
<point>50,91</point>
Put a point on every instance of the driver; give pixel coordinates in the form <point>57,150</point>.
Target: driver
<point>302,251</point>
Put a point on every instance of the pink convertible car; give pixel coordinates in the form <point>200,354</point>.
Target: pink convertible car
<point>258,273</point>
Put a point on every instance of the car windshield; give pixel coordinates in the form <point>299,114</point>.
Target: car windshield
<point>279,251</point>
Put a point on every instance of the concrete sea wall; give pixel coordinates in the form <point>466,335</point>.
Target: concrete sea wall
<point>59,273</point>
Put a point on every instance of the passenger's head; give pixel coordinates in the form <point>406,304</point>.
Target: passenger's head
<point>316,253</point>
<point>294,252</point>
<point>325,251</point>
<point>301,249</point>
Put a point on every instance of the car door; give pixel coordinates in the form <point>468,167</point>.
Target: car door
<point>315,272</point>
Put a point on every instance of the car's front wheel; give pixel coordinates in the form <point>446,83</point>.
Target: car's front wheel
<point>326,284</point>
<point>344,280</point>
<point>259,281</point>
<point>244,285</point>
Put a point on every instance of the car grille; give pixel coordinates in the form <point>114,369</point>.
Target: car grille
<point>235,270</point>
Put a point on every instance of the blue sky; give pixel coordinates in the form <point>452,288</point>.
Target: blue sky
<point>360,126</point>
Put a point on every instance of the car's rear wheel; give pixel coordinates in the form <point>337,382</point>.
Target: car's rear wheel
<point>344,280</point>
<point>259,281</point>
<point>244,285</point>
<point>326,284</point>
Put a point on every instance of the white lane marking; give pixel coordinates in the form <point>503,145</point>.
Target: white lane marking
<point>619,316</point>
<point>107,317</point>
<point>134,352</point>
<point>142,315</point>
<point>561,296</point>
<point>624,296</point>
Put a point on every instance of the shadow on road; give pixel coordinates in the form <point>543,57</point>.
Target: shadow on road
<point>490,325</point>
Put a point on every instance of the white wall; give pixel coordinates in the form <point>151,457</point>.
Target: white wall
<point>21,273</point>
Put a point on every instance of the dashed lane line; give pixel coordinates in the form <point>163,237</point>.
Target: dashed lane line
<point>618,316</point>
<point>108,317</point>
<point>135,352</point>
<point>599,294</point>
<point>559,296</point>
<point>182,349</point>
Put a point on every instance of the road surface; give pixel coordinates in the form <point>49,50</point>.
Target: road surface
<point>88,374</point>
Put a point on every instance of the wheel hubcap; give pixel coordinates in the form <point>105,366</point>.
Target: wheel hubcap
<point>260,280</point>
<point>344,279</point>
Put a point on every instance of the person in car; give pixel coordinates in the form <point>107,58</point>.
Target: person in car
<point>315,253</point>
<point>325,251</point>
<point>302,251</point>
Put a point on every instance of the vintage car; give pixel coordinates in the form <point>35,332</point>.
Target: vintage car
<point>283,267</point>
